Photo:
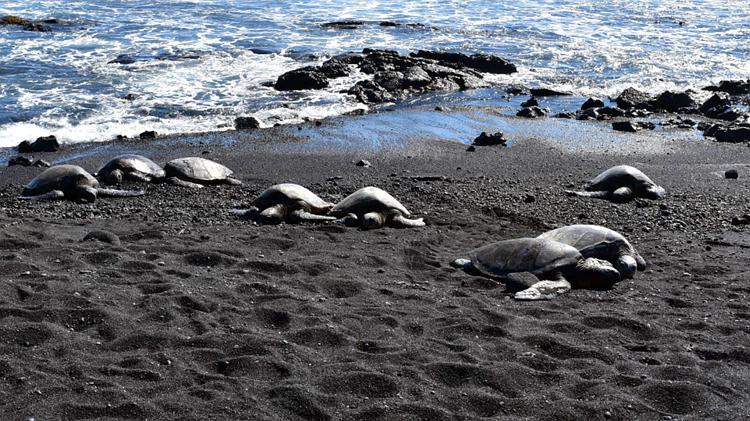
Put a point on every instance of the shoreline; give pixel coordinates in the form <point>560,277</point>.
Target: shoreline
<point>192,313</point>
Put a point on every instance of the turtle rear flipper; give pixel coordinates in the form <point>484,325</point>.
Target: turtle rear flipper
<point>182,183</point>
<point>304,216</point>
<point>52,195</point>
<point>101,192</point>
<point>544,290</point>
<point>594,194</point>
<point>399,221</point>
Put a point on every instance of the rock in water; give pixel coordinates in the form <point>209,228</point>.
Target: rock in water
<point>674,101</point>
<point>300,79</point>
<point>633,98</point>
<point>547,92</point>
<point>480,62</point>
<point>246,123</point>
<point>147,135</point>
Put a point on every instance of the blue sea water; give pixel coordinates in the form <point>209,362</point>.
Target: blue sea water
<point>199,64</point>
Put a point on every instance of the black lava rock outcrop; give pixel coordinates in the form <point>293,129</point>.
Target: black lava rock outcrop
<point>480,62</point>
<point>493,139</point>
<point>42,144</point>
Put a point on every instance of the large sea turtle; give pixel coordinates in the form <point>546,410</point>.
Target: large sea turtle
<point>371,207</point>
<point>558,266</point>
<point>70,182</point>
<point>621,184</point>
<point>196,172</point>
<point>288,202</point>
<point>130,167</point>
<point>601,243</point>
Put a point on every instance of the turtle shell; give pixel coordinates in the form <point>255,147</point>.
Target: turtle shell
<point>368,199</point>
<point>620,176</point>
<point>197,169</point>
<point>592,240</point>
<point>532,255</point>
<point>290,194</point>
<point>60,177</point>
<point>132,162</point>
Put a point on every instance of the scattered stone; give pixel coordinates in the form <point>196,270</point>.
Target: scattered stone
<point>733,134</point>
<point>442,109</point>
<point>40,163</point>
<point>147,135</point>
<point>592,103</point>
<point>471,148</point>
<point>41,144</point>
<point>611,111</point>
<point>130,97</point>
<point>485,139</point>
<point>741,220</point>
<point>246,123</point>
<point>731,174</point>
<point>19,160</point>
<point>515,90</point>
<point>625,126</point>
<point>531,112</point>
<point>547,92</point>
<point>529,198</point>
<point>531,102</point>
<point>568,115</point>
<point>103,236</point>
<point>364,163</point>
<point>633,98</point>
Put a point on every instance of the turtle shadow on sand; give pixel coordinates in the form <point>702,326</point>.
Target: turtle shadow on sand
<point>70,182</point>
<point>558,267</point>
<point>621,184</point>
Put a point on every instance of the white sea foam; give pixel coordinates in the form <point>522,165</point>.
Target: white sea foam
<point>62,82</point>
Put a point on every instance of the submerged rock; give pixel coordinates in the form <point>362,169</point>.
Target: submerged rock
<point>29,25</point>
<point>246,123</point>
<point>147,135</point>
<point>343,24</point>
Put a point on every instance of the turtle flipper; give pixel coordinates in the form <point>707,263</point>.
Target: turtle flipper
<point>233,181</point>
<point>53,195</point>
<point>139,177</point>
<point>640,261</point>
<point>350,220</point>
<point>544,290</point>
<point>182,183</point>
<point>304,216</point>
<point>251,213</point>
<point>101,192</point>
<point>594,194</point>
<point>399,221</point>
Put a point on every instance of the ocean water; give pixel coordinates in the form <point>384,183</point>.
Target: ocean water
<point>201,63</point>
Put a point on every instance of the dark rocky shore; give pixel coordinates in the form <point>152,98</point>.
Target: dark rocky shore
<point>169,307</point>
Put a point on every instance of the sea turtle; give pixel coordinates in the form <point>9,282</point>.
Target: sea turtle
<point>196,172</point>
<point>601,243</point>
<point>130,167</point>
<point>558,266</point>
<point>70,182</point>
<point>621,184</point>
<point>288,202</point>
<point>371,207</point>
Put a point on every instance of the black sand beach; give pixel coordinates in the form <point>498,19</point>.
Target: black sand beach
<point>187,312</point>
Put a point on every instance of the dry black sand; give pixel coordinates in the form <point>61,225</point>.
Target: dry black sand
<point>190,313</point>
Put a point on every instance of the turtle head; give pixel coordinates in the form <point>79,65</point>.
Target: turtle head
<point>372,220</point>
<point>86,194</point>
<point>655,192</point>
<point>627,266</point>
<point>595,273</point>
<point>113,177</point>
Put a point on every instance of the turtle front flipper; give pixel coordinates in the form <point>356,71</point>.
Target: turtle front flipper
<point>603,194</point>
<point>544,290</point>
<point>232,181</point>
<point>399,221</point>
<point>52,195</point>
<point>138,177</point>
<point>304,216</point>
<point>251,214</point>
<point>182,183</point>
<point>640,262</point>
<point>101,192</point>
